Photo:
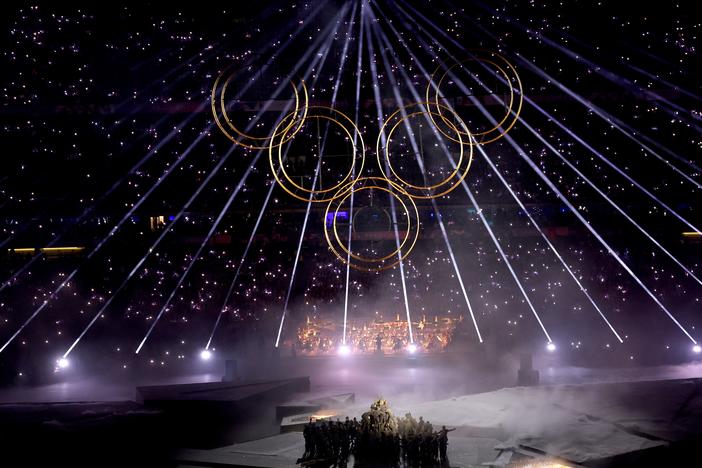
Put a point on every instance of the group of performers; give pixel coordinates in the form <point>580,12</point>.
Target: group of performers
<point>379,439</point>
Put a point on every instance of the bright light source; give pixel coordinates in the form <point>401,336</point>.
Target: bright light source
<point>205,354</point>
<point>697,349</point>
<point>551,346</point>
<point>411,348</point>
<point>63,363</point>
<point>344,350</point>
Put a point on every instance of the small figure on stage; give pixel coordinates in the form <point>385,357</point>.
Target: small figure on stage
<point>443,443</point>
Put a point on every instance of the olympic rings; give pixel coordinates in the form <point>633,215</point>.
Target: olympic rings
<point>425,191</point>
<point>373,264</point>
<point>441,116</point>
<point>241,138</point>
<point>286,181</point>
<point>498,131</point>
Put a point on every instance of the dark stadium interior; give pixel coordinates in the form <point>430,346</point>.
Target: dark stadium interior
<point>140,245</point>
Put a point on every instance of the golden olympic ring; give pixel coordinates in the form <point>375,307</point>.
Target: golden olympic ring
<point>242,137</point>
<point>487,136</point>
<point>286,179</point>
<point>425,191</point>
<point>382,262</point>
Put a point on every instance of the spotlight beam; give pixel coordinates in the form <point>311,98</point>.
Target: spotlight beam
<point>145,159</point>
<point>592,230</point>
<point>114,186</point>
<point>221,214</point>
<point>665,82</point>
<point>320,149</point>
<point>104,240</point>
<point>204,56</point>
<point>604,159</point>
<point>160,81</point>
<point>629,65</point>
<point>170,169</point>
<point>378,100</point>
<point>528,214</point>
<point>612,203</point>
<point>297,254</point>
<point>203,244</point>
<point>359,64</point>
<point>417,152</point>
<point>260,216</point>
<point>669,107</point>
<point>244,255</point>
<point>623,128</point>
<point>477,103</point>
<point>153,246</point>
<point>584,221</point>
<point>556,121</point>
<point>472,198</point>
<point>519,202</point>
<point>548,242</point>
<point>616,123</point>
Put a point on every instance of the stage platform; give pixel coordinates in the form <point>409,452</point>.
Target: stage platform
<point>592,425</point>
<point>213,414</point>
<point>236,393</point>
<point>283,451</point>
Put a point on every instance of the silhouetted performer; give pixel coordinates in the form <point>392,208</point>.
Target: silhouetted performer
<point>443,442</point>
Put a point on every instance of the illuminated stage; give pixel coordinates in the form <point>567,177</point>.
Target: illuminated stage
<point>320,336</point>
<point>590,425</point>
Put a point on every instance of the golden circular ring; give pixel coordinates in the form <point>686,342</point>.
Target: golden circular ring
<point>382,262</point>
<point>241,138</point>
<point>360,257</point>
<point>349,188</point>
<point>420,191</point>
<point>487,136</point>
<point>286,179</point>
<point>507,79</point>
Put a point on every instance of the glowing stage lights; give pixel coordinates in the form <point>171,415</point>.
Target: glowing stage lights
<point>344,350</point>
<point>412,348</point>
<point>551,347</point>
<point>697,349</point>
<point>205,354</point>
<point>63,363</point>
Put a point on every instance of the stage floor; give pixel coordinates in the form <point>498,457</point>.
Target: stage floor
<point>603,424</point>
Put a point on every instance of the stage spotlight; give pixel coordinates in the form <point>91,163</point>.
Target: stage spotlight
<point>205,354</point>
<point>411,348</point>
<point>697,349</point>
<point>63,363</point>
<point>551,346</point>
<point>344,350</point>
